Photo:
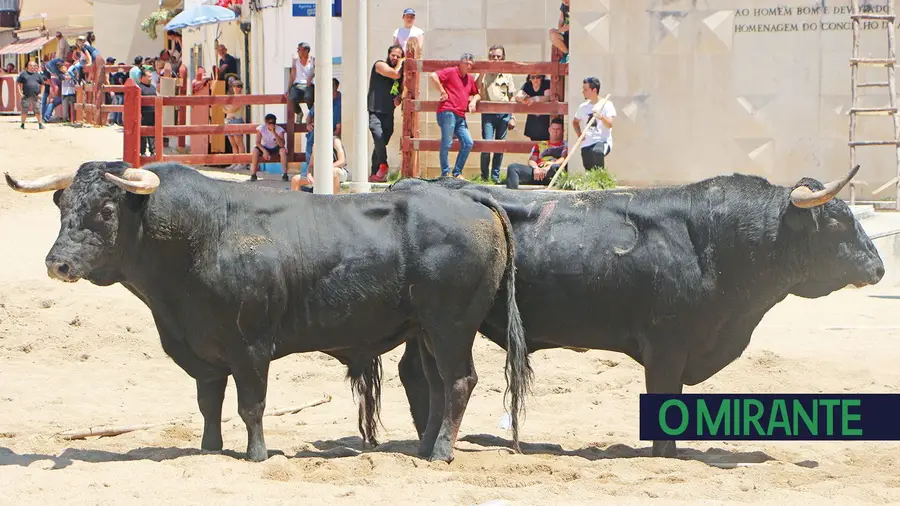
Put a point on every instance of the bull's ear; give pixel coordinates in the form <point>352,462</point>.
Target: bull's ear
<point>56,196</point>
<point>803,220</point>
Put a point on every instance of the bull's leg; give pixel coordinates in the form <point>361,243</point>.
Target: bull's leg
<point>412,375</point>
<point>251,383</point>
<point>663,368</point>
<point>454,362</point>
<point>210,395</point>
<point>435,401</point>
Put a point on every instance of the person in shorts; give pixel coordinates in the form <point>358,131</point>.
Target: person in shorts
<point>303,70</point>
<point>234,115</point>
<point>31,86</point>
<point>559,36</point>
<point>270,141</point>
<point>301,182</point>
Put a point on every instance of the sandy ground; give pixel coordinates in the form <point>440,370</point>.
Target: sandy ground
<point>75,356</point>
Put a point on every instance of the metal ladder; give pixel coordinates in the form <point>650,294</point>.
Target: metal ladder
<point>855,61</point>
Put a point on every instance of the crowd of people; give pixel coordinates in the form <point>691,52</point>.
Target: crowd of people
<point>459,89</point>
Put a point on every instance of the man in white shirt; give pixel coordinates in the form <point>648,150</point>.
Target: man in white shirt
<point>303,69</point>
<point>598,140</point>
<point>409,31</point>
<point>270,140</point>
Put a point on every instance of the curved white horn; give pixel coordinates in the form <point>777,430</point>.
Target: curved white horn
<point>140,181</point>
<point>805,198</point>
<point>49,183</point>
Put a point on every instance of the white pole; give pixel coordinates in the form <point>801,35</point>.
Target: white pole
<point>324,119</point>
<point>359,117</point>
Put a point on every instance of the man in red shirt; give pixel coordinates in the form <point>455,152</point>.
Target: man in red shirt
<point>458,95</point>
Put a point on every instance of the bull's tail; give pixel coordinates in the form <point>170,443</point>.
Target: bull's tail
<point>519,374</point>
<point>366,385</point>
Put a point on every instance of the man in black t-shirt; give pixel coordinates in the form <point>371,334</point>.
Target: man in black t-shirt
<point>31,85</point>
<point>148,114</point>
<point>227,65</point>
<point>385,86</point>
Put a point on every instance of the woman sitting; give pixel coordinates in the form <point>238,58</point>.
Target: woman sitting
<point>338,164</point>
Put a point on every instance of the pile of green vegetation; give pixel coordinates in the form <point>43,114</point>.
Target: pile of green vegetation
<point>597,179</point>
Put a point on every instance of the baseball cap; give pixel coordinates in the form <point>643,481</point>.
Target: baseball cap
<point>110,59</point>
<point>409,11</point>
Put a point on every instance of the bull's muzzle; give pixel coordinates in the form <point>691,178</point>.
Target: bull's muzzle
<point>61,270</point>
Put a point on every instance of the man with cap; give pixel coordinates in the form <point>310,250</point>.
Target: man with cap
<point>409,31</point>
<point>303,69</point>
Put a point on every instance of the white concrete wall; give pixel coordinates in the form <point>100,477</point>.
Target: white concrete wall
<point>117,25</point>
<point>274,44</point>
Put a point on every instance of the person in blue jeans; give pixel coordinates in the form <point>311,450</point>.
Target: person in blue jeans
<point>310,120</point>
<point>495,87</point>
<point>459,95</point>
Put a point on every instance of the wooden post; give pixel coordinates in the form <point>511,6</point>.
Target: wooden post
<point>79,101</point>
<point>131,122</point>
<point>199,115</point>
<point>410,117</point>
<point>557,81</point>
<point>158,128</point>
<point>99,96</point>
<point>290,129</point>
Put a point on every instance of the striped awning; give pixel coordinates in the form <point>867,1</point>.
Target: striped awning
<point>25,46</point>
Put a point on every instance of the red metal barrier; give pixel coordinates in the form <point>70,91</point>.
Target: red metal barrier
<point>10,101</point>
<point>131,120</point>
<point>411,144</point>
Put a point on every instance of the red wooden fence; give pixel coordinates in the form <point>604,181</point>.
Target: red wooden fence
<point>131,120</point>
<point>411,144</point>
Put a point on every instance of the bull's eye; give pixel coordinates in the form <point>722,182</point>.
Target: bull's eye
<point>836,226</point>
<point>106,212</point>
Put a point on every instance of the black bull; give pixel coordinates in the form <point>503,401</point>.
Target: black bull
<point>677,278</point>
<point>237,276</point>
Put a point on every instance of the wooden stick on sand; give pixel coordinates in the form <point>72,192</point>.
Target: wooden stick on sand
<point>113,430</point>
<point>574,148</point>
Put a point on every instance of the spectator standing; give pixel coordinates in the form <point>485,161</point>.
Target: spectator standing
<point>227,64</point>
<point>310,118</point>
<point>546,157</point>
<point>535,90</point>
<point>559,36</point>
<point>31,86</point>
<point>117,78</point>
<point>458,96</point>
<point>302,73</point>
<point>385,85</point>
<point>269,142</point>
<point>338,165</point>
<point>598,141</point>
<point>409,31</point>
<point>53,98</point>
<point>68,98</point>
<point>495,87</point>
<point>135,72</point>
<point>234,115</point>
<point>147,113</point>
<point>62,47</point>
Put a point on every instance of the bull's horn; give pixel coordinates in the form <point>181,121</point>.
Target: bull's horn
<point>805,198</point>
<point>140,181</point>
<point>44,184</point>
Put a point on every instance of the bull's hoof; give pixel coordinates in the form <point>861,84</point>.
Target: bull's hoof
<point>211,444</point>
<point>257,454</point>
<point>441,455</point>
